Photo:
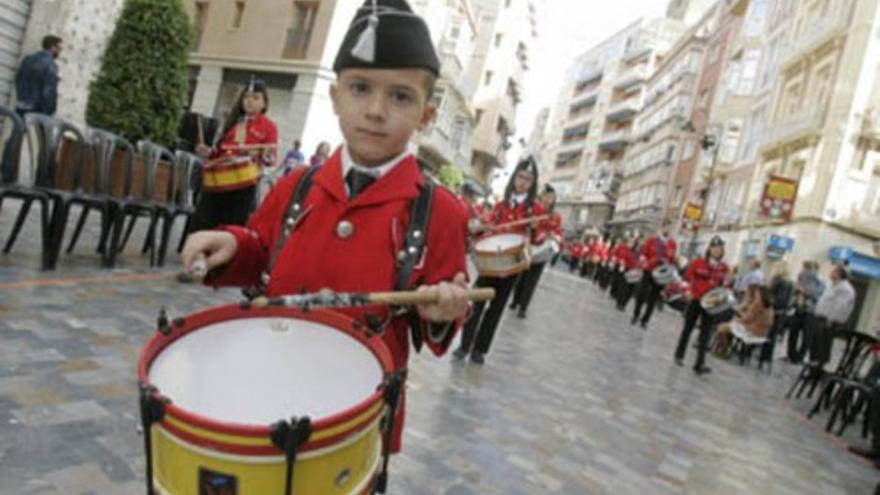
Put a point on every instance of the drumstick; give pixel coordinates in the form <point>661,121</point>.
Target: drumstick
<point>201,129</point>
<point>518,222</point>
<point>248,147</point>
<point>330,299</point>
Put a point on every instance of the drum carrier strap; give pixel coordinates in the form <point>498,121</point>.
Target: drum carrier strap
<point>288,436</point>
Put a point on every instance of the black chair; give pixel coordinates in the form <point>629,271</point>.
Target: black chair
<point>144,205</point>
<point>11,185</point>
<point>104,147</point>
<point>812,374</point>
<point>181,199</point>
<point>847,397</point>
<point>50,134</point>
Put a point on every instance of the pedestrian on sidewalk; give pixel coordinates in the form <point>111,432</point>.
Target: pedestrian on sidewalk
<point>321,154</point>
<point>704,274</point>
<point>808,290</point>
<point>832,314</point>
<point>36,82</point>
<point>294,158</point>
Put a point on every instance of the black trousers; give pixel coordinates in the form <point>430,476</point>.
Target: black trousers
<point>874,417</point>
<point>224,208</point>
<point>587,268</point>
<point>526,284</point>
<point>796,346</point>
<point>480,327</point>
<point>692,314</point>
<point>624,294</point>
<point>572,263</point>
<point>646,297</point>
<point>819,337</point>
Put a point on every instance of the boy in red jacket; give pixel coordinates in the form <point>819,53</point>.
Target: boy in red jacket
<point>348,232</point>
<point>657,250</point>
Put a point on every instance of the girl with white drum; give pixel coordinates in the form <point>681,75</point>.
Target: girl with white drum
<point>518,204</point>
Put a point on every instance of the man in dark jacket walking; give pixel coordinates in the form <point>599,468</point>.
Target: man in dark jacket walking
<point>36,82</point>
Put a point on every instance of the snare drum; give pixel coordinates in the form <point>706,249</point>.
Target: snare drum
<point>501,255</point>
<point>227,375</point>
<point>664,274</point>
<point>633,276</point>
<point>717,300</point>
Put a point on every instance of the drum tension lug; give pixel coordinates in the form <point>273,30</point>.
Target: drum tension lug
<point>162,322</point>
<point>179,321</point>
<point>288,436</point>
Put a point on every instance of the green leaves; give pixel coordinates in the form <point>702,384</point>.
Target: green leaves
<point>142,87</point>
<point>451,176</point>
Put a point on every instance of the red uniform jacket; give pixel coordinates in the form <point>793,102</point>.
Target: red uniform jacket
<point>591,250</point>
<point>704,276</point>
<point>651,252</point>
<point>258,130</point>
<point>550,228</point>
<point>504,213</point>
<point>316,257</point>
<point>625,256</point>
<point>577,249</point>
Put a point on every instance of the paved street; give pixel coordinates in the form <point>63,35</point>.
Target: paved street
<point>572,400</point>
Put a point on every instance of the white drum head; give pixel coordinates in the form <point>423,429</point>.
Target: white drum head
<point>261,370</point>
<point>500,242</point>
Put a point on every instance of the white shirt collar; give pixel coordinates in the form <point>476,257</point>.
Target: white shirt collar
<point>348,163</point>
<point>519,198</point>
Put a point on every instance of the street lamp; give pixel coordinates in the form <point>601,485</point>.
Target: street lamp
<point>707,141</point>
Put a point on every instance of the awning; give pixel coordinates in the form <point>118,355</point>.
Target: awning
<point>859,263</point>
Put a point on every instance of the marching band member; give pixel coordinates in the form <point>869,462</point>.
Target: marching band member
<point>547,231</point>
<point>247,144</point>
<point>626,253</point>
<point>588,265</point>
<point>518,204</point>
<point>576,252</point>
<point>704,274</point>
<point>657,250</point>
<point>360,201</point>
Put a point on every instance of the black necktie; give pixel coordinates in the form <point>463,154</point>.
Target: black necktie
<point>357,181</point>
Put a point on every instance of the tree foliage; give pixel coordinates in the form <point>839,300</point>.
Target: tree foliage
<point>142,87</point>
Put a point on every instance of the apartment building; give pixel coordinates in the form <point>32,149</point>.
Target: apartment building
<point>507,33</point>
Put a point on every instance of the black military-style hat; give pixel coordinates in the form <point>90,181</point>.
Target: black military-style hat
<point>387,34</point>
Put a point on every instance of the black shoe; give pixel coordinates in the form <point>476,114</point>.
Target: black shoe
<point>185,278</point>
<point>521,314</point>
<point>477,357</point>
<point>633,320</point>
<point>703,370</point>
<point>513,306</point>
<point>679,361</point>
<point>460,353</point>
<point>870,452</point>
<point>643,324</point>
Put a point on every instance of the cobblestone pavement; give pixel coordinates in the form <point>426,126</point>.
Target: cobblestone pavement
<point>572,400</point>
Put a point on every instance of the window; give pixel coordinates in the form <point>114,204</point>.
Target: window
<point>488,79</point>
<point>299,35</point>
<point>498,38</point>
<point>200,17</point>
<point>507,4</point>
<point>478,116</point>
<point>237,15</point>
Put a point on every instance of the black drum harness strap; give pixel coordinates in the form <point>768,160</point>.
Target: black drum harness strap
<point>288,436</point>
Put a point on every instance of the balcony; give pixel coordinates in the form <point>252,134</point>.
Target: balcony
<point>816,35</point>
<point>572,145</point>
<point>615,140</point>
<point>804,124</point>
<point>631,77</point>
<point>622,110</point>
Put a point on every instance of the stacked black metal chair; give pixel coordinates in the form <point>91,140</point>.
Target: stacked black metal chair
<point>813,373</point>
<point>181,199</point>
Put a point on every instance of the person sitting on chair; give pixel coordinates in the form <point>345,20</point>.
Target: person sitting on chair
<point>754,319</point>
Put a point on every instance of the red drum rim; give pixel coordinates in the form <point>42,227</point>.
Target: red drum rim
<point>334,320</point>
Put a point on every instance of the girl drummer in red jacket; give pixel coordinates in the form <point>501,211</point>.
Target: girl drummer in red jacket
<point>704,274</point>
<point>519,203</point>
<point>234,167</point>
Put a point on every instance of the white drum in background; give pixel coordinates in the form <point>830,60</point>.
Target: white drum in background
<point>501,255</point>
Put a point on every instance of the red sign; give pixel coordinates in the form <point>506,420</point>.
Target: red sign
<point>777,202</point>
